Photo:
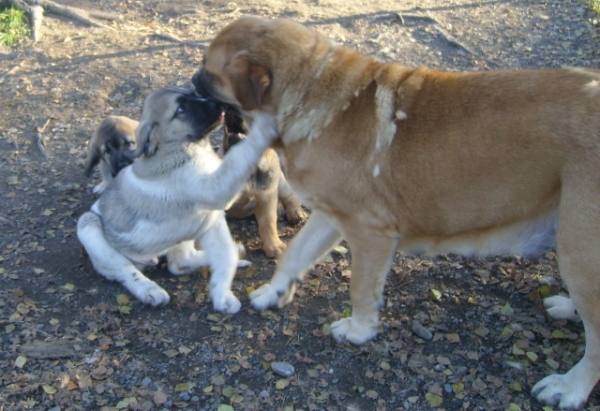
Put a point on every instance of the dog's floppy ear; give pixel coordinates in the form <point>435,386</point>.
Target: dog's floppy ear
<point>94,160</point>
<point>146,139</point>
<point>249,80</point>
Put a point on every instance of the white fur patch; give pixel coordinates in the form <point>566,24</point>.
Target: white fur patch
<point>401,115</point>
<point>376,171</point>
<point>384,99</point>
<point>592,87</point>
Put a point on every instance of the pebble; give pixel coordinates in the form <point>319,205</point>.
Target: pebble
<point>421,331</point>
<point>264,394</point>
<point>146,381</point>
<point>282,368</point>
<point>448,388</point>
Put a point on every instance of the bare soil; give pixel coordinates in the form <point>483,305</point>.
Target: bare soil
<point>67,342</point>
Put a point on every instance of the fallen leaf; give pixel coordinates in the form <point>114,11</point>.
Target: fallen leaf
<point>433,399</point>
<point>20,361</point>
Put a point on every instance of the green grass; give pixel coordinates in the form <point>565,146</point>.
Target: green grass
<point>595,4</point>
<point>14,25</point>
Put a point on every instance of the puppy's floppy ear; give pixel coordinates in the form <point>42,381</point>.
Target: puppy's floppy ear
<point>146,139</point>
<point>94,159</point>
<point>249,80</point>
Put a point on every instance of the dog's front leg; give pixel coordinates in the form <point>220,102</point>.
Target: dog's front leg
<point>217,192</point>
<point>312,243</point>
<point>222,254</point>
<point>372,256</point>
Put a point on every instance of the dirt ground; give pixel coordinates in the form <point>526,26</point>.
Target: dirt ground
<point>68,342</point>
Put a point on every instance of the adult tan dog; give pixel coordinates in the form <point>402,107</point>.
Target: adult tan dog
<point>111,148</point>
<point>174,194</point>
<point>263,192</point>
<point>393,157</point>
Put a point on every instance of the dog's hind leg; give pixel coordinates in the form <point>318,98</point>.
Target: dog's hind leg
<point>222,255</point>
<point>266,216</point>
<point>312,243</point>
<point>115,266</point>
<point>578,240</point>
<point>184,258</point>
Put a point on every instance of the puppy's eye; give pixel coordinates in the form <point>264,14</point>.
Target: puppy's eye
<point>181,109</point>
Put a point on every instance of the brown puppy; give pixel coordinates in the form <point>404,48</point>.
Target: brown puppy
<point>392,157</point>
<point>111,148</point>
<point>264,190</point>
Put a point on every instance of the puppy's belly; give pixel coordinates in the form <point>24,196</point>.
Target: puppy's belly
<point>528,238</point>
<point>148,240</point>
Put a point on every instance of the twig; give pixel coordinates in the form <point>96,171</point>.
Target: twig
<point>40,141</point>
<point>73,13</point>
<point>175,39</point>
<point>402,17</point>
<point>452,41</point>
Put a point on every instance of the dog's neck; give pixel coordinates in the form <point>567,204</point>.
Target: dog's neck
<point>168,157</point>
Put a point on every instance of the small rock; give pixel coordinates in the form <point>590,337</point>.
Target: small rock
<point>283,369</point>
<point>448,388</point>
<point>146,381</point>
<point>421,331</point>
<point>264,394</point>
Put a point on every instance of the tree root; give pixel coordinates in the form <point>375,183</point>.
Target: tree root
<point>35,10</point>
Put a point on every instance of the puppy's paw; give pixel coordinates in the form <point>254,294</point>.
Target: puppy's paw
<point>274,248</point>
<point>263,129</point>
<point>561,308</point>
<point>100,188</point>
<point>268,296</point>
<point>151,293</point>
<point>347,329</point>
<point>560,390</point>
<point>295,215</point>
<point>226,302</point>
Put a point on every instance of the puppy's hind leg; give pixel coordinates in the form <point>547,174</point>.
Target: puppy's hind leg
<point>222,254</point>
<point>184,258</point>
<point>113,265</point>
<point>291,203</point>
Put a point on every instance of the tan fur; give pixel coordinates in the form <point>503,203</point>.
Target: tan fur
<point>110,148</point>
<point>390,157</point>
<point>261,196</point>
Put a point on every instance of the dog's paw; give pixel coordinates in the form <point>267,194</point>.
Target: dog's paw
<point>151,293</point>
<point>274,249</point>
<point>267,296</point>
<point>347,329</point>
<point>560,390</point>
<point>226,302</point>
<point>295,215</point>
<point>561,308</point>
<point>100,188</point>
<point>263,128</point>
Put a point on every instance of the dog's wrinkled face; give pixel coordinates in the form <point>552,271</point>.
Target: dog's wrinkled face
<point>175,115</point>
<point>229,73</point>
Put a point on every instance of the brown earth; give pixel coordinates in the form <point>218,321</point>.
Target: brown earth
<point>68,343</point>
